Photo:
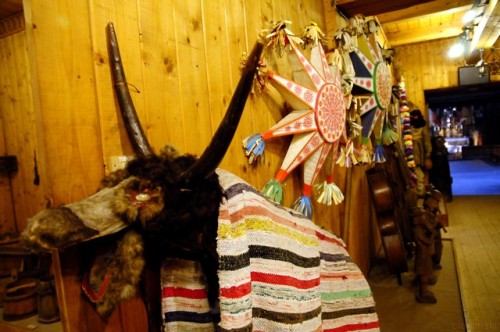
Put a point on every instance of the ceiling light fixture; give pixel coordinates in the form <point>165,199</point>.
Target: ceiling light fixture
<point>462,46</point>
<point>458,49</point>
<point>470,16</point>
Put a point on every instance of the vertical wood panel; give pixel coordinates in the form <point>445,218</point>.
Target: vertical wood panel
<point>217,54</point>
<point>64,75</point>
<point>241,38</point>
<point>7,218</point>
<point>161,74</point>
<point>193,76</point>
<point>426,66</point>
<point>19,133</point>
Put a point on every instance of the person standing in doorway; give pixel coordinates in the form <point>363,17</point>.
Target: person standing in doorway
<point>422,149</point>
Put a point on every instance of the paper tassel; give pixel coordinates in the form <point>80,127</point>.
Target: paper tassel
<point>280,37</point>
<point>389,136</point>
<point>347,156</point>
<point>379,156</point>
<point>254,146</point>
<point>365,157</point>
<point>330,192</point>
<point>273,190</point>
<point>355,126</point>
<point>312,34</point>
<point>303,205</point>
<point>344,41</point>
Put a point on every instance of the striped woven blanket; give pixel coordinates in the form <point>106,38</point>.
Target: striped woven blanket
<point>278,271</point>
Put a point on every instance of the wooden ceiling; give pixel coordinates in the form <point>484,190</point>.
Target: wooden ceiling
<point>413,21</point>
<point>10,7</point>
<point>403,21</point>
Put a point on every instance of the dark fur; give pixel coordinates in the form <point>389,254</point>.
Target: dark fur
<point>186,227</point>
<point>59,227</point>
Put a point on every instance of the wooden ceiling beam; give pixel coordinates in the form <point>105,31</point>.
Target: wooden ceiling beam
<point>488,29</point>
<point>424,28</point>
<point>10,7</point>
<point>422,35</point>
<point>375,7</point>
<point>429,8</point>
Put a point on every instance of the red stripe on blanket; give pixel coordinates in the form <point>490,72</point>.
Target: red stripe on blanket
<point>354,327</point>
<point>276,279</point>
<point>236,291</point>
<point>271,279</point>
<point>323,237</point>
<point>184,292</point>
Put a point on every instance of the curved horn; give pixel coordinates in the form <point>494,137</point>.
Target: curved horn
<point>213,154</point>
<point>138,140</point>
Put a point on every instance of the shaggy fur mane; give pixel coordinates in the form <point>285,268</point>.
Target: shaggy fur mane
<point>186,227</point>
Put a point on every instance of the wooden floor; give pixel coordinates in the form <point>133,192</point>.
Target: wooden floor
<point>475,230</point>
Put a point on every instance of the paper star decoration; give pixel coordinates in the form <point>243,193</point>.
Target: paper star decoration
<point>317,122</point>
<point>372,83</point>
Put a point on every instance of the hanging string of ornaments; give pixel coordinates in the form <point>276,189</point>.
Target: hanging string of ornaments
<point>404,112</point>
<point>338,100</point>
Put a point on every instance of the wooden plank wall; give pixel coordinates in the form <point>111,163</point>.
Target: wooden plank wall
<point>21,197</point>
<point>182,61</point>
<point>426,66</point>
<point>183,68</point>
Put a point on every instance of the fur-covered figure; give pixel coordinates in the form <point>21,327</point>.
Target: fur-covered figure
<point>145,194</point>
<point>115,275</point>
<point>163,212</point>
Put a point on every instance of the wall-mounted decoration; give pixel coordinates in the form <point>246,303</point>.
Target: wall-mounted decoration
<point>316,122</point>
<point>372,86</point>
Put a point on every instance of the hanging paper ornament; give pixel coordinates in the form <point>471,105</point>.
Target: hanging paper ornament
<point>317,122</point>
<point>392,128</point>
<point>280,38</point>
<point>328,192</point>
<point>406,125</point>
<point>372,83</point>
<point>312,35</point>
<point>389,136</point>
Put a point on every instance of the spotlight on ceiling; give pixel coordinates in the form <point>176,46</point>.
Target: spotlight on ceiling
<point>459,48</point>
<point>470,16</point>
<point>456,50</point>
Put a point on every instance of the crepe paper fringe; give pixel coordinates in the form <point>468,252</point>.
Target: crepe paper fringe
<point>279,37</point>
<point>347,157</point>
<point>344,41</point>
<point>389,136</point>
<point>358,24</point>
<point>365,155</point>
<point>254,146</point>
<point>312,35</point>
<point>329,192</point>
<point>273,190</point>
<point>354,126</point>
<point>303,205</point>
<point>261,77</point>
<point>372,27</point>
<point>379,156</point>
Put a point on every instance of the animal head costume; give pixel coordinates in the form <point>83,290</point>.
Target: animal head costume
<point>264,267</point>
<point>159,206</point>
